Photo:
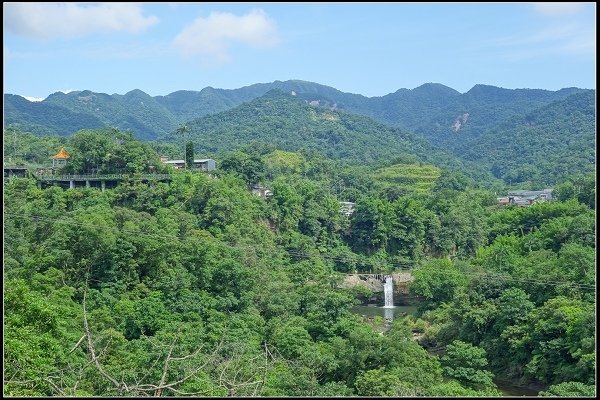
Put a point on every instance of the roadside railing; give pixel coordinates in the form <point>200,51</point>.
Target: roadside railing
<point>101,177</point>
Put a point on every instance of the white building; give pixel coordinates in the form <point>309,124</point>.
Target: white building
<point>206,164</point>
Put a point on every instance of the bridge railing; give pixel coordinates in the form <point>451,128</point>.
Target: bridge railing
<point>70,177</point>
<point>97,177</point>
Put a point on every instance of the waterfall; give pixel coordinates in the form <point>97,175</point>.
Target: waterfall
<point>388,291</point>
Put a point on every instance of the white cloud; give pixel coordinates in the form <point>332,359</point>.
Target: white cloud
<point>66,91</point>
<point>557,9</point>
<point>212,36</point>
<point>68,20</point>
<point>33,99</point>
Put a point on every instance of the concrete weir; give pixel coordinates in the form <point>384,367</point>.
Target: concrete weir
<point>375,282</point>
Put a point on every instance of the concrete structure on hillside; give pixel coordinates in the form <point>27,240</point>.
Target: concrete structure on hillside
<point>19,171</point>
<point>545,194</point>
<point>202,164</point>
<point>525,198</point>
<point>261,191</point>
<point>347,208</point>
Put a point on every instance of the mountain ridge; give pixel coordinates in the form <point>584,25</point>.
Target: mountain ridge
<point>486,121</point>
<point>429,109</point>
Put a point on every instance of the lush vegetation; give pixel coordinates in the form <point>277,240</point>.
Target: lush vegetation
<point>199,287</point>
<point>64,114</point>
<point>100,151</point>
<point>541,148</point>
<point>430,110</point>
<point>288,123</point>
<point>530,137</point>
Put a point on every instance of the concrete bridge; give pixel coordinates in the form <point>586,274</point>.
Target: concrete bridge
<point>80,180</point>
<point>97,180</point>
<point>15,170</point>
<point>374,282</point>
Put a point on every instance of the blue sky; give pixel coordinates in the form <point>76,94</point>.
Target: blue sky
<point>367,48</point>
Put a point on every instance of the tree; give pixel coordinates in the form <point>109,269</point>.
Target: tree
<point>249,167</point>
<point>89,151</point>
<point>378,382</point>
<point>436,282</point>
<point>570,389</point>
<point>182,130</point>
<point>370,224</point>
<point>189,155</point>
<point>561,336</point>
<point>466,363</point>
<point>580,187</point>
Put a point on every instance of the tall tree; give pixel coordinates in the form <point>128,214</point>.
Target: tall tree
<point>467,364</point>
<point>189,154</point>
<point>182,130</point>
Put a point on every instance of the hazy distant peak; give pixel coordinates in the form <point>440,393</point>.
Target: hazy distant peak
<point>481,88</point>
<point>136,92</point>
<point>435,87</point>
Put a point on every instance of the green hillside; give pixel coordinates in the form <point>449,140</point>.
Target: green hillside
<point>543,147</point>
<point>284,121</point>
<point>408,177</point>
<point>432,109</point>
<point>45,118</point>
<point>64,114</point>
<point>198,287</point>
<point>527,136</point>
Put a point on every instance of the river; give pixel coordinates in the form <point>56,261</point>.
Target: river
<point>509,388</point>
<point>373,310</point>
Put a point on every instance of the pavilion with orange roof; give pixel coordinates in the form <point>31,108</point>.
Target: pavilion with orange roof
<point>60,159</point>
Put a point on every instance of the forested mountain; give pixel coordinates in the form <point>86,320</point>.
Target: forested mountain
<point>544,146</point>
<point>432,110</point>
<point>436,111</point>
<point>149,117</point>
<point>283,120</point>
<point>44,117</point>
<point>65,114</point>
<point>523,136</point>
<point>187,105</point>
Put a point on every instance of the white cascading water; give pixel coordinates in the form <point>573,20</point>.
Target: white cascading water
<point>388,292</point>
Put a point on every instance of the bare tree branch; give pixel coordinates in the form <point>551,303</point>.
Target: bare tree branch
<point>56,388</point>
<point>76,345</point>
<point>138,387</point>
<point>86,327</point>
<point>165,368</point>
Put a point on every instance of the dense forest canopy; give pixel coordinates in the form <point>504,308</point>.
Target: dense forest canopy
<point>288,123</point>
<point>197,286</point>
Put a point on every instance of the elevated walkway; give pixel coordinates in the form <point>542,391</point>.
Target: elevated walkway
<point>93,180</point>
<point>72,181</point>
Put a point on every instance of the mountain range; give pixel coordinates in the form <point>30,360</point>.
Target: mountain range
<point>432,109</point>
<point>509,132</point>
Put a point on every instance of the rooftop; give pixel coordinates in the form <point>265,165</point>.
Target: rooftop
<point>62,154</point>
<point>183,161</point>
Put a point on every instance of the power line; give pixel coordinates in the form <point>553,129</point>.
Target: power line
<point>295,253</point>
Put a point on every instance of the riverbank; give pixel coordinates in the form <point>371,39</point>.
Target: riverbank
<point>511,388</point>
